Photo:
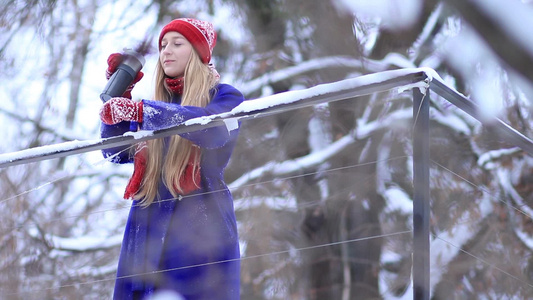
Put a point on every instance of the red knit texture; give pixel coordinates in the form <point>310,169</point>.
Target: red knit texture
<point>113,61</point>
<point>139,167</point>
<point>189,180</point>
<point>119,109</point>
<point>200,34</point>
<point>175,85</point>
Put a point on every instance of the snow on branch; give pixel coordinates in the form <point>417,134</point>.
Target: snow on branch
<point>516,20</point>
<point>447,245</point>
<point>285,204</point>
<point>369,65</point>
<point>524,237</point>
<point>92,272</point>
<point>80,244</point>
<point>451,121</point>
<point>289,167</point>
<point>302,68</point>
<point>506,27</point>
<point>487,160</point>
<point>504,179</point>
<point>398,200</point>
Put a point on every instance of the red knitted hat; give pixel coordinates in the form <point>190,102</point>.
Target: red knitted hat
<point>200,34</point>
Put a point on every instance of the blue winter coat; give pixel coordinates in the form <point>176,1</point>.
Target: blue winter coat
<point>188,246</point>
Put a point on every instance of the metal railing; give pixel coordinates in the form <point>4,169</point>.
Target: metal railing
<point>421,81</point>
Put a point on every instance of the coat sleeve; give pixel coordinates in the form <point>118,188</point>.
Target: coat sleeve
<point>121,154</point>
<point>159,115</point>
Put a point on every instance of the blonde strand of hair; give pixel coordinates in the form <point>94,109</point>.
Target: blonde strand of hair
<point>198,81</point>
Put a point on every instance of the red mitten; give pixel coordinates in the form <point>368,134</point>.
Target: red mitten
<point>121,109</point>
<point>113,61</point>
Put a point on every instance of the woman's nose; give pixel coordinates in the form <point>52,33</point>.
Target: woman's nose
<point>165,49</point>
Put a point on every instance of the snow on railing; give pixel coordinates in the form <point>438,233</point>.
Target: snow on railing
<point>420,80</point>
<point>345,89</point>
<point>402,79</point>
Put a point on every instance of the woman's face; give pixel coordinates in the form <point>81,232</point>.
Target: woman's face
<point>174,54</point>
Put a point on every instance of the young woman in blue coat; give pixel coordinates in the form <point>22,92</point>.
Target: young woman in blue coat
<point>181,233</point>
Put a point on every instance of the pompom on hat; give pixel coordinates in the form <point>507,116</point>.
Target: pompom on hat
<point>200,34</point>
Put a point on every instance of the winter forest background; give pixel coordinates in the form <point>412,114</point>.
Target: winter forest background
<point>339,228</point>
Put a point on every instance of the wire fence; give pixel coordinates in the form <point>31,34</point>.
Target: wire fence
<point>414,78</point>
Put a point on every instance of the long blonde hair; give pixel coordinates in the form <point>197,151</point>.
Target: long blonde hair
<point>198,81</point>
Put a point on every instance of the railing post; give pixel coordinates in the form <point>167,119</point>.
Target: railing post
<point>421,211</point>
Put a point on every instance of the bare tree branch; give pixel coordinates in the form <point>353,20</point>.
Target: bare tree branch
<point>504,42</point>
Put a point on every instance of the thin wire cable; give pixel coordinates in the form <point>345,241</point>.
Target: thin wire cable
<point>287,178</point>
<point>418,110</point>
<point>249,185</point>
<point>62,177</point>
<point>311,247</point>
<point>485,191</point>
<point>221,261</point>
<point>468,253</point>
<point>180,197</point>
<point>484,261</point>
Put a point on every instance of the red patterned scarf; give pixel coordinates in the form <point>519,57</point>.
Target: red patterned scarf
<point>189,180</point>
<point>175,85</point>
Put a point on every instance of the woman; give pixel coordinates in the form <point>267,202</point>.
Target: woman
<point>181,233</point>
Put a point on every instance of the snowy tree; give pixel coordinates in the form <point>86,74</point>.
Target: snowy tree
<point>339,226</point>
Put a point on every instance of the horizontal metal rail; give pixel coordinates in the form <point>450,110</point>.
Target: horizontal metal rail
<point>363,85</point>
<point>424,79</point>
<point>360,86</point>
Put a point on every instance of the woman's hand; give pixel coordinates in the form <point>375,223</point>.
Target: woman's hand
<point>121,109</point>
<point>113,61</point>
